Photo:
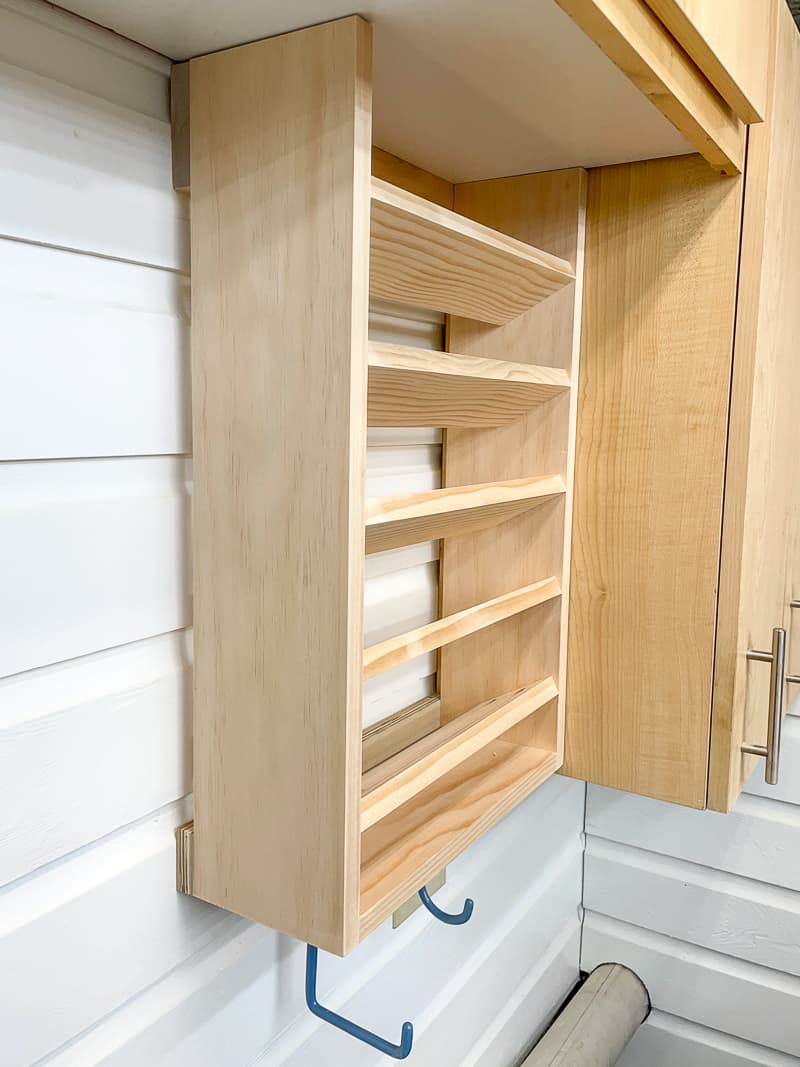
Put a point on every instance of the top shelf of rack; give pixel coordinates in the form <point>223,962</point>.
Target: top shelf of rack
<point>427,256</point>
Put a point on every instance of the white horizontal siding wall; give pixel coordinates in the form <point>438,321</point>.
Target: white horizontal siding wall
<point>101,961</point>
<point>706,909</point>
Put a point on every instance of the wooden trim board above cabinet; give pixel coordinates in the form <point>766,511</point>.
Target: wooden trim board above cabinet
<point>729,40</point>
<point>290,235</point>
<point>631,35</point>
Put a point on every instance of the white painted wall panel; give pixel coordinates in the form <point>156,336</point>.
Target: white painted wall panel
<point>666,1041</point>
<point>84,936</point>
<point>706,908</point>
<point>749,1001</point>
<point>101,961</point>
<point>95,356</point>
<point>89,746</point>
<point>92,555</point>
<point>82,173</point>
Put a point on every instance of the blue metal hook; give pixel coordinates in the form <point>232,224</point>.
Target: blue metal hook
<point>453,920</point>
<point>398,1052</point>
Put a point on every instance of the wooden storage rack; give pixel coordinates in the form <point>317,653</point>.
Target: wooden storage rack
<point>285,218</point>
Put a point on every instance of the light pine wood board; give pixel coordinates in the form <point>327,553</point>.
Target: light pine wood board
<point>660,287</point>
<point>729,40</point>
<point>416,387</point>
<point>405,775</point>
<point>386,738</point>
<point>280,440</point>
<point>404,175</point>
<point>393,521</point>
<point>545,210</point>
<point>424,255</point>
<point>409,846</point>
<point>760,570</point>
<point>633,37</point>
<point>458,625</point>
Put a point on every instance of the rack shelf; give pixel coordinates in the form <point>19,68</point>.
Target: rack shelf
<point>396,650</point>
<point>413,842</point>
<point>400,778</point>
<point>408,518</point>
<point>424,255</point>
<point>415,387</point>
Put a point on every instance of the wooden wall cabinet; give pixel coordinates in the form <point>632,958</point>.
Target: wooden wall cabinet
<point>290,235</point>
<point>686,541</point>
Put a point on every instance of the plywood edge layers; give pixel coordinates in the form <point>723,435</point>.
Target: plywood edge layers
<point>280,448</point>
<point>635,40</point>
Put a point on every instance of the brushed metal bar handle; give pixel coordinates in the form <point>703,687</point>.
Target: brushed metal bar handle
<point>772,750</point>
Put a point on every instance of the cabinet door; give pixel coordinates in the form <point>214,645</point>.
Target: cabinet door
<point>759,568</point>
<point>662,246</point>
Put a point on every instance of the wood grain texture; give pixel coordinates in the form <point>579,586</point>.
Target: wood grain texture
<point>404,850</point>
<point>760,569</point>
<point>393,521</point>
<point>545,210</point>
<point>460,624</point>
<point>405,175</point>
<point>632,36</point>
<point>386,738</point>
<point>416,387</point>
<point>279,474</point>
<point>405,775</point>
<point>660,286</point>
<point>729,41</point>
<point>424,255</point>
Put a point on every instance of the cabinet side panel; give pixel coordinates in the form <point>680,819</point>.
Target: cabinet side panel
<point>659,291</point>
<point>280,142</point>
<point>761,536</point>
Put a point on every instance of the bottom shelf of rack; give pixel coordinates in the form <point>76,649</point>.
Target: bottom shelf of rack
<point>415,841</point>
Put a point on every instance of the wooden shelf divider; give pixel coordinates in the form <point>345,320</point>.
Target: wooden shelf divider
<point>416,387</point>
<point>428,256</point>
<point>400,778</point>
<point>415,841</point>
<point>408,518</point>
<point>396,650</point>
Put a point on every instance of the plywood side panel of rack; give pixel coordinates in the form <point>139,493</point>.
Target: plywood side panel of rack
<point>280,173</point>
